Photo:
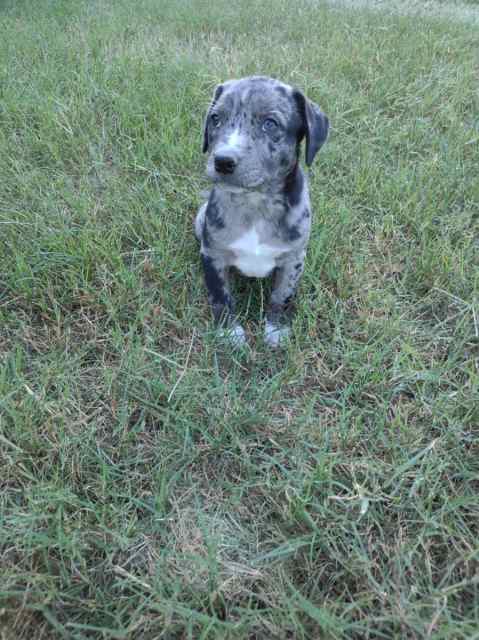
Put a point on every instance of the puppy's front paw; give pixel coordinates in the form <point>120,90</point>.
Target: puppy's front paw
<point>276,335</point>
<point>234,335</point>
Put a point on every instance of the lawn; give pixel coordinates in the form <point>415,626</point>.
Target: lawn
<point>156,484</point>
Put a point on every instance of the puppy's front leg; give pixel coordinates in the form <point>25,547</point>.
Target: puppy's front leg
<point>221,301</point>
<point>285,285</point>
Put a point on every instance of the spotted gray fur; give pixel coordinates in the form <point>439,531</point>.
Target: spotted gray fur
<point>258,214</point>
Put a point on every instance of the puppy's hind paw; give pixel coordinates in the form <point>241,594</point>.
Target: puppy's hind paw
<point>234,335</point>
<point>275,335</point>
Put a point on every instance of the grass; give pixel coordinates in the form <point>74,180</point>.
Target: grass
<point>155,484</point>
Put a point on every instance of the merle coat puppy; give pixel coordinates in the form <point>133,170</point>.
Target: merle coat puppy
<point>258,214</point>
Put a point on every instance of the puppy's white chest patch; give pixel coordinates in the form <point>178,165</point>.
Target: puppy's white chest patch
<point>254,258</point>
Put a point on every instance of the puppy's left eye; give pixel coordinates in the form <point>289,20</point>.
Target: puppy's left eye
<point>215,119</point>
<point>270,125</point>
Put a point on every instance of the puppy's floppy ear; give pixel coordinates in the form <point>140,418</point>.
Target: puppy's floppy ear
<point>216,96</point>
<point>315,125</point>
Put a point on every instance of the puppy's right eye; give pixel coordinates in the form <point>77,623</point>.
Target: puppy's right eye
<point>215,119</point>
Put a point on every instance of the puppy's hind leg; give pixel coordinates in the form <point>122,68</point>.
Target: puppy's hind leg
<point>200,221</point>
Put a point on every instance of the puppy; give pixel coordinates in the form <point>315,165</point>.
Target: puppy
<point>258,214</point>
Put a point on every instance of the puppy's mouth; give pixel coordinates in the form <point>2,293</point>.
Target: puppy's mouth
<point>237,185</point>
<point>235,181</point>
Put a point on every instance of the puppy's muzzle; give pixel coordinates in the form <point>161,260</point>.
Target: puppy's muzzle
<point>225,164</point>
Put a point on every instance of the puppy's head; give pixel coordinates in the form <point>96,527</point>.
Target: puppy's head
<point>253,130</point>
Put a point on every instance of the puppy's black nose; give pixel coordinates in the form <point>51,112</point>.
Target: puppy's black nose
<point>225,164</point>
